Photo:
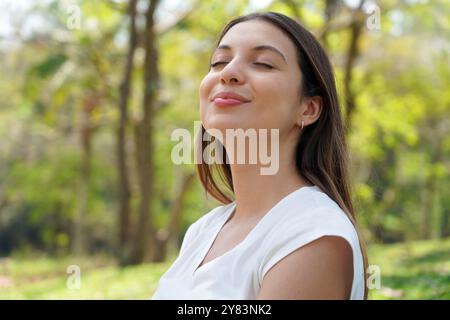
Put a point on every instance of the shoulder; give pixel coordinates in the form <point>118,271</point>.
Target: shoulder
<point>322,269</point>
<point>314,212</point>
<point>308,216</point>
<point>316,236</point>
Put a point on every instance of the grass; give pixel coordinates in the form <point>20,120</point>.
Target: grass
<point>44,278</point>
<point>416,270</point>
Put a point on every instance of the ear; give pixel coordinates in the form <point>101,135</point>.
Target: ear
<point>311,109</point>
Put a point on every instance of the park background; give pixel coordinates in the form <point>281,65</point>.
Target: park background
<point>90,92</point>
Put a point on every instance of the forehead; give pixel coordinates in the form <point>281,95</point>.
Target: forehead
<point>248,34</point>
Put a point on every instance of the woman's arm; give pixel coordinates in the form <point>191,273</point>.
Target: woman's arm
<point>322,269</point>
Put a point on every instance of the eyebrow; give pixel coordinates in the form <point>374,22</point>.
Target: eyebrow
<point>257,48</point>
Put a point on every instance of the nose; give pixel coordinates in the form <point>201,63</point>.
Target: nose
<point>231,74</point>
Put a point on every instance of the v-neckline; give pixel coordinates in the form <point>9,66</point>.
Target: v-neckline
<point>199,266</point>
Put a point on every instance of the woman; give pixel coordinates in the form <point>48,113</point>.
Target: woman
<point>287,235</point>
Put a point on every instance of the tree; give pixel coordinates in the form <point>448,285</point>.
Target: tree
<point>124,191</point>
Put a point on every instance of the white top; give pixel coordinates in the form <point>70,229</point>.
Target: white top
<point>299,218</point>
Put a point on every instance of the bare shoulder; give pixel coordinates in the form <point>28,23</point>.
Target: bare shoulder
<point>322,269</point>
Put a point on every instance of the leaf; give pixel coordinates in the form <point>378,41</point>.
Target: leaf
<point>50,65</point>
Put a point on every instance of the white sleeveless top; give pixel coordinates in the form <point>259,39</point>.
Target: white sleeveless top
<point>299,218</point>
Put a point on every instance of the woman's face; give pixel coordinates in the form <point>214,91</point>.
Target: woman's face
<point>269,79</point>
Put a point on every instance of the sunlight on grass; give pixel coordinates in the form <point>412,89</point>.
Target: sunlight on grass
<point>100,279</point>
<point>417,270</point>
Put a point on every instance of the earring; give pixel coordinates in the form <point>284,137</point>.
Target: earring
<point>302,125</point>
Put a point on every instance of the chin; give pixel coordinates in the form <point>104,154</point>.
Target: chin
<point>223,122</point>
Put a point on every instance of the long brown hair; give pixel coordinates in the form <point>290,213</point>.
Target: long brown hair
<point>321,154</point>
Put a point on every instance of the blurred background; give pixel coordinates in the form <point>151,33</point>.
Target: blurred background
<point>91,205</point>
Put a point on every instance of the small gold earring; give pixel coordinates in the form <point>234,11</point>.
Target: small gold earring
<point>302,124</point>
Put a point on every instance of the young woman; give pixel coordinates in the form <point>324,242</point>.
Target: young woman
<point>287,235</point>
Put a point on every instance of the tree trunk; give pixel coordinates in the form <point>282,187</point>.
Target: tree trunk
<point>124,191</point>
<point>145,144</point>
<point>166,239</point>
<point>89,103</point>
<point>352,54</point>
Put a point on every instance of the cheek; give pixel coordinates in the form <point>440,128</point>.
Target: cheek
<point>205,91</point>
<point>271,89</point>
<point>270,92</point>
<point>205,88</point>
<point>277,103</point>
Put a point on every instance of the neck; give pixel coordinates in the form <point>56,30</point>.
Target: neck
<point>256,194</point>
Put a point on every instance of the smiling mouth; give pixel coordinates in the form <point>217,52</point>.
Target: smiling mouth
<point>222,102</point>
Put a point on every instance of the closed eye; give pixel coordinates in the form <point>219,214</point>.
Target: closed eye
<point>215,64</point>
<point>264,65</point>
<point>212,65</point>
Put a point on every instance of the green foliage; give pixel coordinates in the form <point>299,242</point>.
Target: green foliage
<point>59,83</point>
<point>50,65</point>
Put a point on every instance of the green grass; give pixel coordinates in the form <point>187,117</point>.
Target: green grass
<point>417,270</point>
<point>44,278</point>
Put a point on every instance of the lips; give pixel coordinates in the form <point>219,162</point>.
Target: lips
<point>228,98</point>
